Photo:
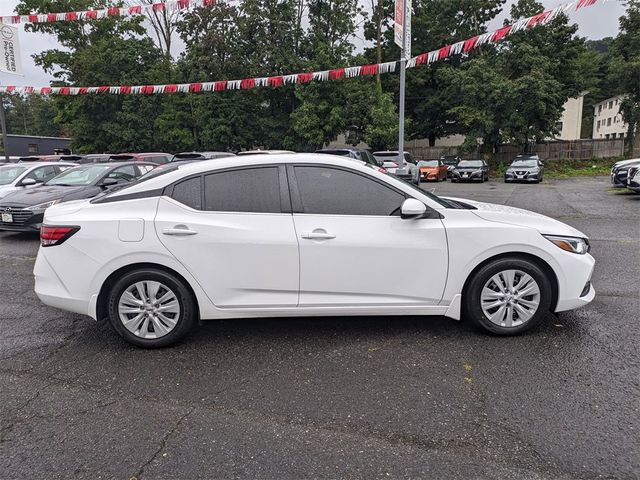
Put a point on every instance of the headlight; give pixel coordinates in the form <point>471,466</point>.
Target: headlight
<point>43,206</point>
<point>570,244</point>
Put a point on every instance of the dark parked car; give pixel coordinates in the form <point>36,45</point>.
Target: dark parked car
<point>620,171</point>
<point>357,153</point>
<point>451,161</point>
<point>194,156</point>
<point>633,179</point>
<point>470,171</point>
<point>525,168</point>
<point>24,210</point>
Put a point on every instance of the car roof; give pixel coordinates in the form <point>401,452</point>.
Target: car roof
<point>37,164</point>
<point>193,168</point>
<point>113,164</point>
<point>263,152</point>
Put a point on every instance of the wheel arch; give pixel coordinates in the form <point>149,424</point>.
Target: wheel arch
<point>546,268</point>
<point>101,304</point>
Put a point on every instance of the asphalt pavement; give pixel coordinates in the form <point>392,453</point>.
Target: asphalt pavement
<point>359,397</point>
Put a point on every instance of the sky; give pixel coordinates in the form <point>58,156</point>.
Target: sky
<point>595,22</point>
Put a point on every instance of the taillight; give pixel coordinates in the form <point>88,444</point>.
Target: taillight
<point>50,235</point>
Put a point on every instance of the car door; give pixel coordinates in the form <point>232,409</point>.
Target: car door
<point>354,247</point>
<point>42,174</point>
<point>233,230</point>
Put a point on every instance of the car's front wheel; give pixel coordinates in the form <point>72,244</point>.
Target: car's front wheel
<point>508,296</point>
<point>151,308</point>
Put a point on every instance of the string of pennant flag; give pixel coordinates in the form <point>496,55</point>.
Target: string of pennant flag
<point>427,58</point>
<point>88,15</point>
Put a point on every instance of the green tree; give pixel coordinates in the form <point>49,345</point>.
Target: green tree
<point>382,131</point>
<point>31,115</point>
<point>625,68</point>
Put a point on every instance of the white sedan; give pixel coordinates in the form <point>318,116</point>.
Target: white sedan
<point>15,177</point>
<point>301,235</point>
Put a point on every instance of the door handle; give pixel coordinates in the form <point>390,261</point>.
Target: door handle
<point>318,234</point>
<point>179,230</point>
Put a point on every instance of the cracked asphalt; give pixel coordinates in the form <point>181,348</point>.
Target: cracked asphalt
<point>337,397</point>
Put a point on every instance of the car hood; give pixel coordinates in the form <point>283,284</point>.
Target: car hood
<point>37,195</point>
<point>520,217</point>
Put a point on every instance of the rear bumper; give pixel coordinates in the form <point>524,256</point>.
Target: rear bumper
<point>52,291</point>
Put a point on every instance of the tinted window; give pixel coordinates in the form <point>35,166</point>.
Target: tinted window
<point>248,190</point>
<point>42,174</point>
<point>338,192</point>
<point>470,163</point>
<point>124,174</point>
<point>189,193</point>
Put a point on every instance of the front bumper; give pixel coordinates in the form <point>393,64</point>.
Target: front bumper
<point>573,292</point>
<point>619,180</point>
<point>470,178</point>
<point>429,176</point>
<point>23,221</point>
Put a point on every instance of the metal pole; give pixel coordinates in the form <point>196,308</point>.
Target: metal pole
<point>3,125</point>
<point>403,64</point>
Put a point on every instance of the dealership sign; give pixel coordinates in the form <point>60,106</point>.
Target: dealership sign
<point>398,23</point>
<point>10,61</point>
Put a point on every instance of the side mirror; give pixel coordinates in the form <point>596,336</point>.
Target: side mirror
<point>28,182</point>
<point>412,208</point>
<point>109,182</point>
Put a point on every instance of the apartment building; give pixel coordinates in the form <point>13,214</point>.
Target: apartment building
<point>607,121</point>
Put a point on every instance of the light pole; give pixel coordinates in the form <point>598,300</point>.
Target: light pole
<point>403,67</point>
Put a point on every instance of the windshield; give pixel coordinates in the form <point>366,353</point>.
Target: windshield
<point>450,161</point>
<point>9,173</point>
<point>80,176</point>
<point>525,163</point>
<point>469,163</point>
<point>386,155</point>
<point>428,163</point>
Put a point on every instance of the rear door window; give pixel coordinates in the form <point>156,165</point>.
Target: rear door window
<point>251,190</point>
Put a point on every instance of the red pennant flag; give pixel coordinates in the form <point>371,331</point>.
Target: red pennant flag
<point>125,89</point>
<point>183,3</point>
<point>422,58</point>
<point>219,86</point>
<point>275,81</point>
<point>469,44</point>
<point>113,11</point>
<point>83,90</point>
<point>539,18</point>
<point>45,90</point>
<point>336,74</point>
<point>103,89</point>
<point>195,87</point>
<point>64,91</point>
<point>500,34</point>
<point>135,9</point>
<point>369,69</point>
<point>33,18</point>
<point>172,88</point>
<point>305,77</point>
<point>51,17</point>
<point>16,19</point>
<point>71,16</point>
<point>92,14</point>
<point>247,83</point>
<point>10,88</point>
<point>157,7</point>
<point>444,52</point>
<point>147,89</point>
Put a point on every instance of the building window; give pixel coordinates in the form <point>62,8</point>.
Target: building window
<point>33,148</point>
<point>600,108</point>
<point>598,127</point>
<point>607,136</point>
<point>609,122</point>
<point>621,135</point>
<point>610,105</point>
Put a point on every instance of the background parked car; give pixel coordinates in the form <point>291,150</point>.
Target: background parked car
<point>451,161</point>
<point>633,179</point>
<point>51,158</point>
<point>391,162</point>
<point>356,153</point>
<point>153,157</point>
<point>16,177</point>
<point>620,171</point>
<point>470,171</point>
<point>95,158</point>
<point>264,152</point>
<point>193,156</point>
<point>432,170</point>
<point>24,210</point>
<point>525,168</point>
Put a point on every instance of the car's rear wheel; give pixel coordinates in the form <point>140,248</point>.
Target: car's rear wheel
<point>151,308</point>
<point>508,296</point>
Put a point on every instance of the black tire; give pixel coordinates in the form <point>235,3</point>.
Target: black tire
<point>186,317</point>
<point>472,308</point>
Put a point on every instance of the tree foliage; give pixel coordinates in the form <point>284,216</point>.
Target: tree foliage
<point>511,92</point>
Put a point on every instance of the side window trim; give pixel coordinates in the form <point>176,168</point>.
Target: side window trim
<point>296,199</point>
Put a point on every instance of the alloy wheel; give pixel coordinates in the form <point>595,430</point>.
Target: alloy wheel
<point>510,298</point>
<point>149,309</point>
